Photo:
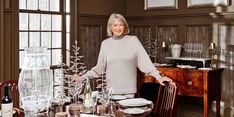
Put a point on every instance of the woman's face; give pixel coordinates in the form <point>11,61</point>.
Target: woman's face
<point>117,28</point>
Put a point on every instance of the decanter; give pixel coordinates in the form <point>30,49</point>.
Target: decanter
<point>88,100</point>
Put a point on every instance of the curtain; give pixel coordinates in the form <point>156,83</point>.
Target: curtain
<point>225,50</point>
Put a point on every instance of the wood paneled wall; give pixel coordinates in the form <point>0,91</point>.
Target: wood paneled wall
<point>181,29</point>
<point>1,41</point>
<point>225,54</point>
<point>91,37</point>
<point>102,7</point>
<point>92,30</point>
<point>9,40</point>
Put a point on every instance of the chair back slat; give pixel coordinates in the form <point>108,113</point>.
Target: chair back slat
<point>166,101</point>
<point>13,91</point>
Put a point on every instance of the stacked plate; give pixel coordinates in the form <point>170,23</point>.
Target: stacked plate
<point>135,105</point>
<point>118,97</point>
<point>134,111</point>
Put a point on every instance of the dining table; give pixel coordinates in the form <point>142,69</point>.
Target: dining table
<point>118,110</point>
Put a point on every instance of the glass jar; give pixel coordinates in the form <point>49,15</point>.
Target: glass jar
<point>35,82</point>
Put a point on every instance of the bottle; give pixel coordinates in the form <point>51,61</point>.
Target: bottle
<point>88,100</point>
<point>7,104</point>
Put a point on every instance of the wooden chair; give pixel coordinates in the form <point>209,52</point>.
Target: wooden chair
<point>149,91</point>
<point>166,101</point>
<point>13,91</point>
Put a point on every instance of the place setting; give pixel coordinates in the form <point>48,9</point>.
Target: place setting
<point>135,106</point>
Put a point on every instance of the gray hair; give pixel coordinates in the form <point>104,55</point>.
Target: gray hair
<point>118,17</point>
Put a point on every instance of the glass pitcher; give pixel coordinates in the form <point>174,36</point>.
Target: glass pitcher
<point>35,82</point>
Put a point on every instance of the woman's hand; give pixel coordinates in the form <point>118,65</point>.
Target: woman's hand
<point>75,78</point>
<point>163,80</point>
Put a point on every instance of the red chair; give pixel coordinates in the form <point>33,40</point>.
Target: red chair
<point>166,101</point>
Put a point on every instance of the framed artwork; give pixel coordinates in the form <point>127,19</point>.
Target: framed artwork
<point>199,3</point>
<point>222,2</point>
<point>203,3</point>
<point>160,4</point>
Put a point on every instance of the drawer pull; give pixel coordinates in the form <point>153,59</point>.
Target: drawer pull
<point>190,83</point>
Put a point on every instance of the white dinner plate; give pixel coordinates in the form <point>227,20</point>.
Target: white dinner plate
<point>89,115</point>
<point>186,66</point>
<point>133,111</point>
<point>13,112</point>
<point>208,68</point>
<point>134,102</point>
<point>118,97</point>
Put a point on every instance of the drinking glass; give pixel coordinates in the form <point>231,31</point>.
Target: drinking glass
<point>200,50</point>
<point>196,50</point>
<point>189,50</point>
<point>186,49</point>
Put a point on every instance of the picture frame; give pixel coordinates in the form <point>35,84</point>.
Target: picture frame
<point>199,3</point>
<point>207,3</point>
<point>222,2</point>
<point>160,4</point>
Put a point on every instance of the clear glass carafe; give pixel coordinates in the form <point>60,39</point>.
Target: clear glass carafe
<point>35,82</point>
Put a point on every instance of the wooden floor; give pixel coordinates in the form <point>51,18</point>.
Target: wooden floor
<point>191,107</point>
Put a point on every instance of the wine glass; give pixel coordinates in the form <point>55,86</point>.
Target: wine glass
<point>200,50</point>
<point>186,49</point>
<point>189,50</point>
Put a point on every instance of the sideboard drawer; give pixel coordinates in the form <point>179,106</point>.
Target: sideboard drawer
<point>191,87</point>
<point>190,82</point>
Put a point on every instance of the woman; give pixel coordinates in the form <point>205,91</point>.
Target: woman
<point>119,57</point>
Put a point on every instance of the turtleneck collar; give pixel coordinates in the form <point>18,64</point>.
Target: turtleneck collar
<point>117,37</point>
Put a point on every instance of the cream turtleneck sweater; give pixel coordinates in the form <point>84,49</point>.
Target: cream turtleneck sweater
<point>119,59</point>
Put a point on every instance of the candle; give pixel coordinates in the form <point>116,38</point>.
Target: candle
<point>74,109</point>
<point>163,44</point>
<point>212,45</point>
<point>101,109</point>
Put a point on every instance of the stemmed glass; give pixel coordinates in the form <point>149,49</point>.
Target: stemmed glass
<point>105,94</point>
<point>195,49</point>
<point>186,49</point>
<point>189,49</point>
<point>200,49</point>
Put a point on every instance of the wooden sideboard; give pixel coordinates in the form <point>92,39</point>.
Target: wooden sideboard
<point>198,83</point>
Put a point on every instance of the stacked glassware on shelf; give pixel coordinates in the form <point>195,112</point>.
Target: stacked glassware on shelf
<point>193,50</point>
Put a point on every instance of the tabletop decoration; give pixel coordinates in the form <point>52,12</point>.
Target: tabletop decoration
<point>35,82</point>
<point>77,67</point>
<point>69,71</point>
<point>152,47</point>
<point>60,81</point>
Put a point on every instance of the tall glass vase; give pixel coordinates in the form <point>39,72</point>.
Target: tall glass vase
<point>35,82</point>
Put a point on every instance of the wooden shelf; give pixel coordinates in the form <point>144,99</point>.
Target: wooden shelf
<point>226,15</point>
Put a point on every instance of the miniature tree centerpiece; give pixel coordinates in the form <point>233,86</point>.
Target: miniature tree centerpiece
<point>64,87</point>
<point>151,46</point>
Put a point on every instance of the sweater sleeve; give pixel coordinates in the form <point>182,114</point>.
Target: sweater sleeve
<point>144,63</point>
<point>100,67</point>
